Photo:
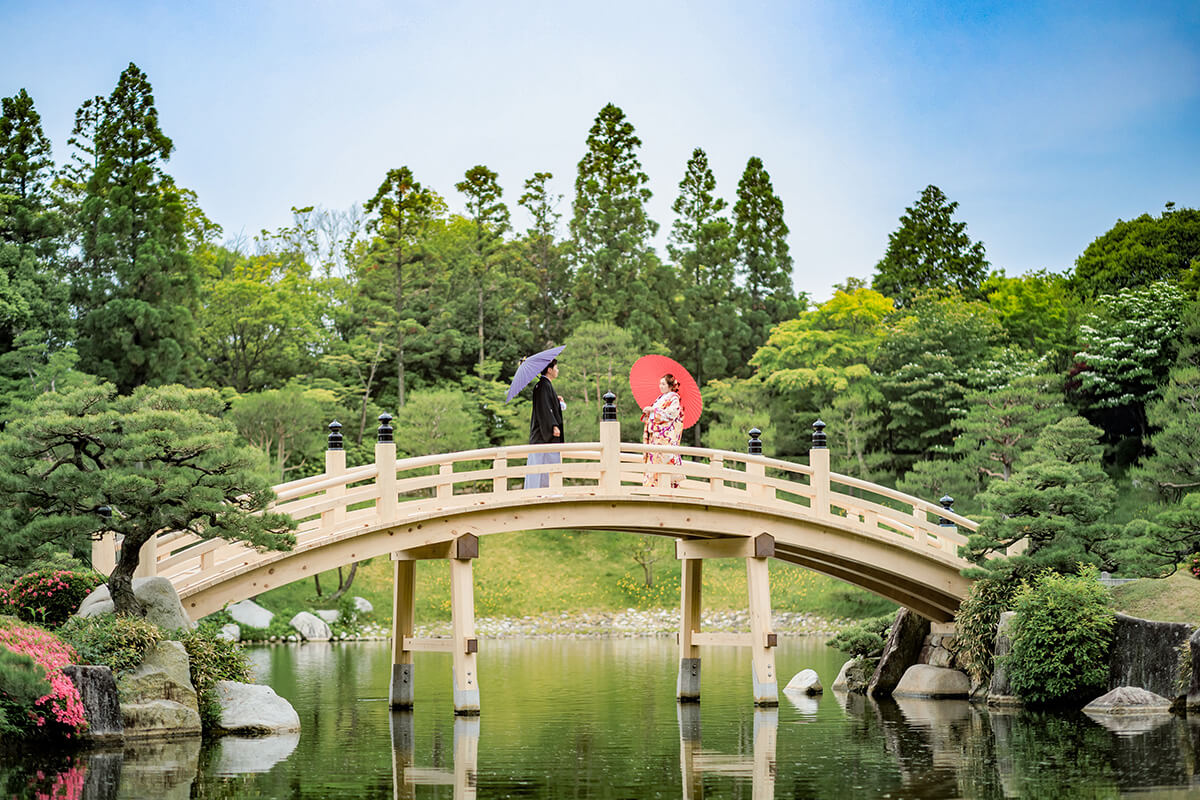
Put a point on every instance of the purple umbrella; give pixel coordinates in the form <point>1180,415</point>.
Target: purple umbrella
<point>530,368</point>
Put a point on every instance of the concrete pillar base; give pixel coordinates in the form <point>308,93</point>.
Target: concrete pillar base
<point>766,693</point>
<point>687,687</point>
<point>466,701</point>
<point>400,694</point>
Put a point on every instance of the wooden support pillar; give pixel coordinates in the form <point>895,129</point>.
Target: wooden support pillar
<point>335,464</point>
<point>104,553</point>
<point>388,504</point>
<point>462,620</point>
<point>147,559</point>
<point>687,687</point>
<point>404,606</point>
<point>818,460</point>
<point>762,640</point>
<point>610,456</point>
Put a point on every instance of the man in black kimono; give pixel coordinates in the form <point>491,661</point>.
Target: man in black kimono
<point>545,425</point>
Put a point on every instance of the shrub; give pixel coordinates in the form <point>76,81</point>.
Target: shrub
<point>976,622</point>
<point>59,712</point>
<point>213,659</point>
<point>49,597</point>
<point>22,684</point>
<point>1193,564</point>
<point>113,640</point>
<point>865,638</point>
<point>1061,637</point>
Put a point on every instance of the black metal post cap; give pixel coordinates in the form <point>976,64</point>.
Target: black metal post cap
<point>818,438</point>
<point>385,428</point>
<point>609,412</point>
<point>947,503</point>
<point>335,435</point>
<point>754,446</point>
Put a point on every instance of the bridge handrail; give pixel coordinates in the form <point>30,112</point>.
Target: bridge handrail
<point>907,499</point>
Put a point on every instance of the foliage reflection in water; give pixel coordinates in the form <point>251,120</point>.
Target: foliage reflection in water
<point>598,719</point>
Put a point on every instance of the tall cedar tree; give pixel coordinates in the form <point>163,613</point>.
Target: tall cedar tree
<point>138,287</point>
<point>490,216</point>
<point>160,459</point>
<point>1140,252</point>
<point>930,252</point>
<point>610,230</point>
<point>764,260</point>
<point>34,318</point>
<point>404,208</point>
<point>546,264</point>
<point>709,334</point>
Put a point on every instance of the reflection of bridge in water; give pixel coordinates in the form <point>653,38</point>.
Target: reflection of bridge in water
<point>728,505</point>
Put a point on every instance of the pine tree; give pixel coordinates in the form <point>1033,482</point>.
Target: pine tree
<point>930,252</point>
<point>404,208</point>
<point>610,231</point>
<point>490,216</point>
<point>137,285</point>
<point>34,315</point>
<point>764,260</point>
<point>709,333</point>
<point>545,259</point>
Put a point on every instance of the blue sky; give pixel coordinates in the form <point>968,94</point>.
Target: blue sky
<point>1046,122</point>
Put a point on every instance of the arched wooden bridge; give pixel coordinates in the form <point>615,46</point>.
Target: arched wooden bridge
<point>728,505</point>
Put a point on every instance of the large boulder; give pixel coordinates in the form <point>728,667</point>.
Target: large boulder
<point>1000,692</point>
<point>925,680</point>
<point>940,647</point>
<point>253,709</point>
<point>101,703</point>
<point>1129,700</point>
<point>330,615</point>
<point>157,698</point>
<point>157,596</point>
<point>362,605</point>
<point>805,681</point>
<point>855,675</point>
<point>230,632</point>
<point>311,627</point>
<point>909,630</point>
<point>250,614</point>
<point>1148,654</point>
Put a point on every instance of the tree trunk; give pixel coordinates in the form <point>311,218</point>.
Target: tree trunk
<point>344,587</point>
<point>480,305</point>
<point>120,582</point>
<point>317,583</point>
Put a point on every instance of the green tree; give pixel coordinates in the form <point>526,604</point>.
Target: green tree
<point>546,262</point>
<point>161,459</point>
<point>137,286</point>
<point>764,259</point>
<point>930,252</point>
<point>1172,466</point>
<point>597,359</point>
<point>287,425</point>
<point>733,407</point>
<point>610,231</point>
<point>437,421</point>
<point>1057,502</point>
<point>490,217</point>
<point>854,426</point>
<point>1128,348</point>
<point>709,332</point>
<point>1156,545</point>
<point>35,322</point>
<point>1140,252</point>
<point>404,210</point>
<point>1038,313</point>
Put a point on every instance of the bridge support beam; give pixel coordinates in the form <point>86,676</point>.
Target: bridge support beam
<point>760,640</point>
<point>404,618</point>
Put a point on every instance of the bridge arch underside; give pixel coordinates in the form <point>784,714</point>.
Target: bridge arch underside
<point>929,584</point>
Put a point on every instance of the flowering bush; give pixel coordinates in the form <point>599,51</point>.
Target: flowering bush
<point>114,640</point>
<point>1193,564</point>
<point>60,711</point>
<point>48,597</point>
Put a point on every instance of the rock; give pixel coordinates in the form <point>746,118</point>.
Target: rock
<point>999,692</point>
<point>311,627</point>
<point>923,680</point>
<point>903,646</point>
<point>101,703</point>
<point>363,606</point>
<point>1193,695</point>
<point>157,698</point>
<point>230,633</point>
<point>156,595</point>
<point>250,614</point>
<point>940,646</point>
<point>249,708</point>
<point>1147,654</point>
<point>1129,700</point>
<point>805,681</point>
<point>330,615</point>
<point>238,755</point>
<point>855,675</point>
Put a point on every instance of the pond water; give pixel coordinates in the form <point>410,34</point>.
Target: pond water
<point>598,718</point>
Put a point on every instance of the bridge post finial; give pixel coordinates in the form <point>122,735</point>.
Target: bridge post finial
<point>754,446</point>
<point>335,436</point>
<point>818,437</point>
<point>385,428</point>
<point>609,412</point>
<point>948,504</point>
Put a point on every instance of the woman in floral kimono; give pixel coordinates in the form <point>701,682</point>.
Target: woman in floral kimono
<point>663,424</point>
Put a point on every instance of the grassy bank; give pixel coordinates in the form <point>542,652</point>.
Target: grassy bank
<point>539,572</point>
<point>1173,599</point>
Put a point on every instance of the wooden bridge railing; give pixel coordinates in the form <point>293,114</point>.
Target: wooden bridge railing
<point>343,501</point>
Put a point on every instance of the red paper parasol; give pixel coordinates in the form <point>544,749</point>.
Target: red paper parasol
<point>644,378</point>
